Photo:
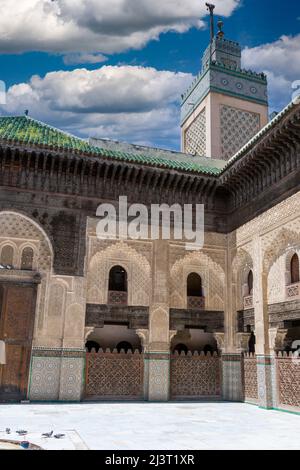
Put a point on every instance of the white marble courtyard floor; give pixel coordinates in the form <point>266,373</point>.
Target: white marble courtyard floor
<point>171,426</point>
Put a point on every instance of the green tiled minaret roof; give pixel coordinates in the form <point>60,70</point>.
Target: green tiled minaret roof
<point>29,132</point>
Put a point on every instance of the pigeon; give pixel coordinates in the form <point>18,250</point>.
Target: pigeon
<point>59,436</point>
<point>47,434</point>
<point>7,430</point>
<point>22,432</point>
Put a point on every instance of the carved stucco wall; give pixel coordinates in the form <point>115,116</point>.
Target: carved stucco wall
<point>65,321</point>
<point>56,295</point>
<point>104,257</point>
<point>212,275</point>
<point>275,237</point>
<point>19,232</point>
<point>241,265</point>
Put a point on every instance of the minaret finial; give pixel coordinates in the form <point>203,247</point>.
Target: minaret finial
<point>210,8</point>
<point>220,26</point>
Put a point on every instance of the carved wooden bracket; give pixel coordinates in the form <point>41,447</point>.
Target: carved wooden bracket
<point>88,331</point>
<point>277,338</point>
<point>143,334</point>
<point>220,339</point>
<point>172,334</point>
<point>243,342</point>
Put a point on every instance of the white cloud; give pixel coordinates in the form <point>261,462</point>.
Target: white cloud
<point>127,102</point>
<point>280,61</point>
<point>105,26</point>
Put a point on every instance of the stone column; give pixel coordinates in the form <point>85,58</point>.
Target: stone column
<point>277,338</point>
<point>232,382</point>
<point>157,355</point>
<point>265,360</point>
<point>232,376</point>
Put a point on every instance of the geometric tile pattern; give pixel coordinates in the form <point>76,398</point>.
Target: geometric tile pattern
<point>264,381</point>
<point>237,128</point>
<point>45,376</point>
<point>195,136</point>
<point>159,370</point>
<point>71,379</point>
<point>250,379</point>
<point>232,377</point>
<point>195,376</point>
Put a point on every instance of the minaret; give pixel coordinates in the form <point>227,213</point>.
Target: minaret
<point>225,106</point>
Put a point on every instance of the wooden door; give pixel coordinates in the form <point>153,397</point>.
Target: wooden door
<point>17,310</point>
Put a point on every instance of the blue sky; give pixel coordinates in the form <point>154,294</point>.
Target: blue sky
<point>136,49</point>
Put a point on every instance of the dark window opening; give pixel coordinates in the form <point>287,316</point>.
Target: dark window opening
<point>295,269</point>
<point>208,348</point>
<point>89,345</point>
<point>194,285</point>
<point>250,282</point>
<point>124,345</point>
<point>181,347</point>
<point>251,344</point>
<point>118,279</point>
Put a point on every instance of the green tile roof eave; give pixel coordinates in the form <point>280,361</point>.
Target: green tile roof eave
<point>29,131</point>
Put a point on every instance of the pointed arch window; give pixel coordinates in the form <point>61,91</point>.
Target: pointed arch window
<point>7,256</point>
<point>117,286</point>
<point>295,278</point>
<point>195,297</point>
<point>250,282</point>
<point>27,258</point>
<point>194,285</point>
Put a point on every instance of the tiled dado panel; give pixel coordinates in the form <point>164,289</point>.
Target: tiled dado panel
<point>232,388</point>
<point>265,365</point>
<point>158,367</point>
<point>44,378</point>
<point>56,375</point>
<point>71,379</point>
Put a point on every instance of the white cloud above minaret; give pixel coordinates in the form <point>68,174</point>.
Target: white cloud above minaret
<point>280,61</point>
<point>105,26</point>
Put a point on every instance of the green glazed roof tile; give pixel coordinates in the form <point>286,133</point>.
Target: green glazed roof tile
<point>25,130</point>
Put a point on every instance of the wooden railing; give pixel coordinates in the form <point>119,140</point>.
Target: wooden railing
<point>293,291</point>
<point>196,303</point>
<point>117,297</point>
